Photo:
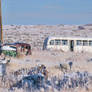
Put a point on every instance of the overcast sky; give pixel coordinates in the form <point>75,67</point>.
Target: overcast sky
<point>50,12</point>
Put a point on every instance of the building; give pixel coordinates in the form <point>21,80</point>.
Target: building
<point>74,44</point>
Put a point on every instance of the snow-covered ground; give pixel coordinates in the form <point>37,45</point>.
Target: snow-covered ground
<point>35,35</point>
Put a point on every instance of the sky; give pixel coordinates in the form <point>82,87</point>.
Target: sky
<point>50,12</point>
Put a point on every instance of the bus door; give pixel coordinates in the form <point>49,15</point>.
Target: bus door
<point>71,45</point>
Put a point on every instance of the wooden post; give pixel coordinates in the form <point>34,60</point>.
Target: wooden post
<point>1,33</point>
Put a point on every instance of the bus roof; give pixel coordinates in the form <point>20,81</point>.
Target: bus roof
<point>70,38</point>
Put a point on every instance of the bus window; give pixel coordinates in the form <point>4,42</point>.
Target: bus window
<point>57,42</point>
<point>52,42</point>
<point>79,42</point>
<point>85,43</point>
<point>90,43</point>
<point>64,42</point>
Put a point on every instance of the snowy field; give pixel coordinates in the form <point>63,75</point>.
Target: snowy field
<point>35,35</point>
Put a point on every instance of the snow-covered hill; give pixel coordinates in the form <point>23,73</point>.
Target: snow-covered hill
<point>35,34</point>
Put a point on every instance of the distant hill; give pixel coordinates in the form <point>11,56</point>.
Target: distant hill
<point>88,25</point>
<point>36,34</point>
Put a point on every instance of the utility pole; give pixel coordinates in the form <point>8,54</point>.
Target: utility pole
<point>1,33</point>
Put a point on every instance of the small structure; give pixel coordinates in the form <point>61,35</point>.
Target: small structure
<point>74,44</point>
<point>24,47</point>
<point>14,48</point>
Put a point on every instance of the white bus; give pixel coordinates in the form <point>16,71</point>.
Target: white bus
<point>76,44</point>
